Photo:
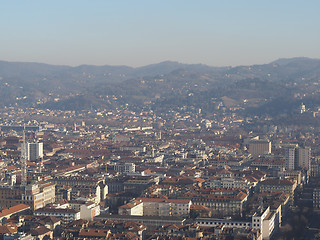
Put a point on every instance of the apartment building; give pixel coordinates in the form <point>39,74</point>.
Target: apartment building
<point>156,207</point>
<point>222,202</point>
<point>34,195</point>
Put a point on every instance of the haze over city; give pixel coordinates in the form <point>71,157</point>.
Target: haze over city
<point>137,33</point>
<point>166,120</point>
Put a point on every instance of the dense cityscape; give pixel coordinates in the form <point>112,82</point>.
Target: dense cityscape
<point>180,174</point>
<point>160,120</point>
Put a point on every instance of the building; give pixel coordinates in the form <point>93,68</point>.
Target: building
<point>34,195</point>
<point>316,198</point>
<point>81,184</point>
<point>290,159</point>
<point>165,207</point>
<point>263,221</point>
<point>149,221</point>
<point>298,158</point>
<point>259,147</point>
<point>34,151</point>
<point>88,210</point>
<point>65,214</point>
<point>156,207</point>
<point>222,202</point>
<point>303,156</point>
<point>133,208</point>
<point>279,185</point>
<point>124,167</point>
<point>291,173</point>
<point>18,209</point>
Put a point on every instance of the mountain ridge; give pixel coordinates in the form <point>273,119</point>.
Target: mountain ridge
<point>165,84</point>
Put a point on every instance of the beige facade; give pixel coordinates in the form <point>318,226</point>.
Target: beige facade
<point>156,207</point>
<point>259,147</point>
<point>34,195</point>
<point>133,208</point>
<point>165,207</point>
<point>226,203</point>
<point>279,185</point>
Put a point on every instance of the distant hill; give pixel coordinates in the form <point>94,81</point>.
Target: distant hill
<point>163,85</point>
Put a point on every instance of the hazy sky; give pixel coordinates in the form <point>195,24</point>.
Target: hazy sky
<point>141,32</point>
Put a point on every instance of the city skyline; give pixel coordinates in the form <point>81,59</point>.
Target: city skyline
<point>141,33</point>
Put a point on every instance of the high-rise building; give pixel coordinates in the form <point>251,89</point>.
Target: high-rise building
<point>290,158</point>
<point>34,151</point>
<point>298,158</point>
<point>304,157</point>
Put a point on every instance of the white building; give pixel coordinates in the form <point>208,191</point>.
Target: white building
<point>124,167</point>
<point>65,214</point>
<point>264,222</point>
<point>34,150</point>
<point>156,207</point>
<point>133,208</point>
<point>229,182</point>
<point>88,210</point>
<point>165,207</point>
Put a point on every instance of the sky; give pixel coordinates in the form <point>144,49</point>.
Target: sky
<point>142,32</point>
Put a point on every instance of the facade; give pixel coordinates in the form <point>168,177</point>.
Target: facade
<point>133,208</point>
<point>88,210</point>
<point>223,202</point>
<point>315,169</point>
<point>84,185</point>
<point>279,185</point>
<point>291,173</point>
<point>34,195</point>
<point>259,147</point>
<point>298,158</point>
<point>124,167</point>
<point>264,222</point>
<point>149,221</point>
<point>34,150</point>
<point>228,182</point>
<point>304,157</point>
<point>165,207</point>
<point>65,214</point>
<point>156,207</point>
<point>316,198</point>
<point>290,159</point>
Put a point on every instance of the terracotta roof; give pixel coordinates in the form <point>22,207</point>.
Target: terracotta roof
<point>185,201</point>
<point>40,230</point>
<point>199,207</point>
<point>276,182</point>
<point>8,229</point>
<point>131,204</point>
<point>14,209</point>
